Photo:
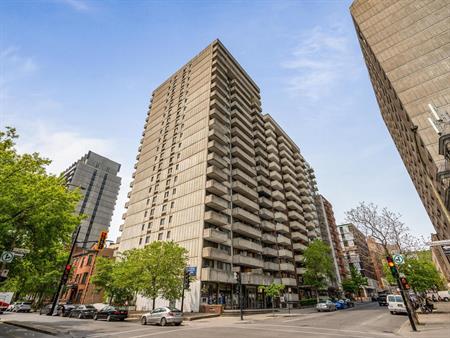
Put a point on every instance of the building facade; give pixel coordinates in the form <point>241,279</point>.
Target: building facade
<point>96,177</point>
<point>330,235</point>
<point>223,180</point>
<point>405,45</point>
<point>357,255</point>
<point>79,289</point>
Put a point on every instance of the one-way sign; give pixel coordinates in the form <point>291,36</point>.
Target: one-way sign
<point>7,257</point>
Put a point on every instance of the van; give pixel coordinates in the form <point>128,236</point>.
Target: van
<point>396,304</point>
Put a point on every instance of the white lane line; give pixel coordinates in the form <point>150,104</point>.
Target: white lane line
<point>104,334</point>
<point>169,331</point>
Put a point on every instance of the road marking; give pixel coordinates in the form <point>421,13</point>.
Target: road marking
<point>164,332</point>
<point>103,334</point>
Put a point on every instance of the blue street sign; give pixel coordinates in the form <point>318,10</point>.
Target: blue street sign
<point>192,270</point>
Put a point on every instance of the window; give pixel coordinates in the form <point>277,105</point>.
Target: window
<point>147,239</point>
<point>154,199</point>
<point>162,221</point>
<point>160,236</point>
<point>89,262</point>
<point>149,225</point>
<point>168,182</point>
<point>174,191</point>
<point>164,207</point>
<point>172,205</point>
<point>84,279</point>
<point>150,189</point>
<point>166,194</point>
<point>148,201</point>
<point>169,170</point>
<point>178,156</point>
<point>170,219</point>
<point>168,235</point>
<point>143,227</point>
<point>140,241</point>
<point>175,179</point>
<point>145,213</point>
<point>177,166</point>
<point>152,212</point>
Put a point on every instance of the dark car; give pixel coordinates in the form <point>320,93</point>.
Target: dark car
<point>112,313</point>
<point>45,310</point>
<point>382,300</point>
<point>83,311</point>
<point>64,310</point>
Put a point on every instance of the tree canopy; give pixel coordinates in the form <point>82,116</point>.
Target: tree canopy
<point>36,213</point>
<point>355,282</point>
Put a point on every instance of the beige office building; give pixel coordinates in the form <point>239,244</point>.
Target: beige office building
<point>406,46</point>
<point>224,181</point>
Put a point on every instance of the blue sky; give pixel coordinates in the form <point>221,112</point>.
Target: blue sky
<point>76,75</point>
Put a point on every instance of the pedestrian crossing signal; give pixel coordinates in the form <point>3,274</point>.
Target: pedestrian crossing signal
<point>102,240</point>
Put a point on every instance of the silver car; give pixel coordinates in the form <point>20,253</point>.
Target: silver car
<point>325,305</point>
<point>163,316</point>
<point>22,307</point>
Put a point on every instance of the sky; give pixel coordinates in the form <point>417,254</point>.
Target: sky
<point>77,75</point>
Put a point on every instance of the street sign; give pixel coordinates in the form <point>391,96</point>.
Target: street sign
<point>398,259</point>
<point>282,300</point>
<point>17,254</point>
<point>4,273</point>
<point>21,251</point>
<point>192,270</point>
<point>7,257</point>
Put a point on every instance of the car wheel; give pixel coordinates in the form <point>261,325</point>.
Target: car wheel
<point>446,299</point>
<point>177,324</point>
<point>95,317</point>
<point>392,313</point>
<point>108,318</point>
<point>163,322</point>
<point>80,316</point>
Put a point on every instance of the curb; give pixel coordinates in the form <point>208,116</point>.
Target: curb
<point>36,328</point>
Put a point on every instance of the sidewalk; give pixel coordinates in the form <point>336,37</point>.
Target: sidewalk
<point>434,325</point>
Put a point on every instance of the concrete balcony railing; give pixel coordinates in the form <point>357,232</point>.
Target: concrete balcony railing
<point>216,218</point>
<point>265,202</point>
<point>301,271</point>
<point>280,206</point>
<point>293,197</point>
<point>244,202</point>
<point>245,216</point>
<point>216,202</point>
<point>272,157</point>
<point>245,190</point>
<point>244,178</point>
<point>237,131</point>
<point>298,236</point>
<point>270,140</point>
<point>273,165</point>
<point>268,251</point>
<point>275,175</point>
<point>216,236</point>
<point>246,230</point>
<point>281,228</point>
<point>282,240</point>
<point>216,254</point>
<point>242,124</point>
<point>215,187</point>
<point>272,149</point>
<point>262,170</point>
<point>268,238</point>
<point>304,195</point>
<point>278,195</point>
<point>249,278</point>
<point>267,226</point>
<point>269,126</point>
<point>309,216</point>
<point>302,184</point>
<point>216,173</point>
<point>248,261</point>
<point>262,160</point>
<point>291,187</point>
<point>240,164</point>
<point>218,276</point>
<point>216,135</point>
<point>216,114</point>
<point>293,205</point>
<point>217,161</point>
<point>276,185</point>
<point>299,258</point>
<point>294,215</point>
<point>239,153</point>
<point>301,176</point>
<point>265,213</point>
<point>308,207</point>
<point>285,154</point>
<point>285,253</point>
<point>270,133</point>
<point>295,225</point>
<point>310,225</point>
<point>289,179</point>
<point>280,217</point>
<point>299,247</point>
<point>287,267</point>
<point>236,141</point>
<point>217,148</point>
<point>289,281</point>
<point>271,266</point>
<point>287,168</point>
<point>244,244</point>
<point>263,190</point>
<point>260,150</point>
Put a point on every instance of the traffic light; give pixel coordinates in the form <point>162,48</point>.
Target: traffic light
<point>405,283</point>
<point>392,266</point>
<point>66,273</point>
<point>102,240</point>
<point>187,279</point>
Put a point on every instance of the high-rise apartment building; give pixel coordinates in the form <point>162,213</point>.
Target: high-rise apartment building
<point>330,235</point>
<point>357,255</point>
<point>378,256</point>
<point>96,176</point>
<point>223,180</point>
<point>406,48</point>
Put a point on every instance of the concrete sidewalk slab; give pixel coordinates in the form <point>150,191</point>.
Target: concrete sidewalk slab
<point>34,327</point>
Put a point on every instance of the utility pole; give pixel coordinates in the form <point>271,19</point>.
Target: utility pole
<point>237,276</point>
<point>186,284</point>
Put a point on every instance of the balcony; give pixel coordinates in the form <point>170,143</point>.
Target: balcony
<point>273,158</point>
<point>261,160</point>
<point>239,164</point>
<point>294,225</point>
<point>244,178</point>
<point>265,202</point>
<point>268,238</point>
<point>268,251</point>
<point>216,236</point>
<point>280,217</point>
<point>245,216</point>
<point>267,226</point>
<point>216,114</point>
<point>215,187</point>
<point>250,278</point>
<point>262,170</point>
<point>244,126</point>
<point>278,195</point>
<point>285,253</point>
<point>270,140</point>
<point>310,225</point>
<point>309,216</point>
<point>216,147</point>
<point>293,197</point>
<point>218,276</point>
<point>245,190</point>
<point>276,185</point>
<point>281,228</point>
<point>271,266</point>
<point>270,133</point>
<point>236,141</point>
<point>275,175</point>
<point>274,166</point>
<point>294,215</point>
<point>247,230</point>
<point>244,244</point>
<point>272,149</point>
<point>287,168</point>
<point>299,258</point>
<point>264,190</point>
<point>239,153</point>
<point>216,173</point>
<point>299,247</point>
<point>298,236</point>
<point>291,187</point>
<point>248,261</point>
<point>216,202</point>
<point>216,135</point>
<point>217,161</point>
<point>216,254</point>
<point>283,240</point>
<point>265,213</point>
<point>280,206</point>
<point>301,271</point>
<point>308,207</point>
<point>288,178</point>
<point>244,202</point>
<point>216,218</point>
<point>289,281</point>
<point>293,205</point>
<point>287,267</point>
<point>259,144</point>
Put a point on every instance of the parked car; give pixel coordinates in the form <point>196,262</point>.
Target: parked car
<point>382,300</point>
<point>340,304</point>
<point>112,313</point>
<point>349,302</point>
<point>21,307</point>
<point>45,310</point>
<point>163,316</point>
<point>325,305</point>
<point>3,306</point>
<point>83,311</point>
<point>64,310</point>
<point>395,304</point>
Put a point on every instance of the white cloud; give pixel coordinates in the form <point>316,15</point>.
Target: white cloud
<point>319,61</point>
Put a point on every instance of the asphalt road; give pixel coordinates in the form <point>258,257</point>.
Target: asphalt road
<point>368,321</point>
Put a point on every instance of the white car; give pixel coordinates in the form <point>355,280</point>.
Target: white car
<point>396,304</point>
<point>325,305</point>
<point>20,307</point>
<point>163,316</point>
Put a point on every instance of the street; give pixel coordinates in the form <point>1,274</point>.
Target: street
<point>368,320</point>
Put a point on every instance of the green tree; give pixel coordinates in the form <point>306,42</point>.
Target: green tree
<point>273,290</point>
<point>318,266</point>
<point>36,213</point>
<point>355,282</point>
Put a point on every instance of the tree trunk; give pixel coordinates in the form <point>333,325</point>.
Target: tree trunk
<point>154,300</point>
<point>273,307</point>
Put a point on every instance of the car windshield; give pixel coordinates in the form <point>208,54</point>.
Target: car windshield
<point>173,309</point>
<point>90,307</point>
<point>399,299</point>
